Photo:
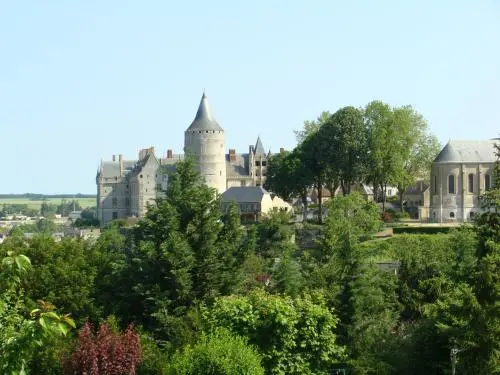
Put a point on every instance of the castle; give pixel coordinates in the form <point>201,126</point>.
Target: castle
<point>126,187</point>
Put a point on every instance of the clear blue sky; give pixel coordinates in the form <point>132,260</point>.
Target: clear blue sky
<point>82,80</point>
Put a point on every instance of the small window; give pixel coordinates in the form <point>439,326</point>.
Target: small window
<point>487,182</point>
<point>115,202</point>
<point>115,215</point>
<point>452,215</point>
<point>257,163</point>
<point>242,183</point>
<point>471,214</point>
<point>471,183</point>
<point>140,176</point>
<point>264,163</point>
<point>451,184</point>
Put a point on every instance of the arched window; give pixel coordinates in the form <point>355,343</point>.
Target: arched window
<point>452,215</point>
<point>471,183</point>
<point>487,182</point>
<point>451,184</point>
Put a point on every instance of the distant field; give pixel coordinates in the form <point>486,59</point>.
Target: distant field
<point>35,204</point>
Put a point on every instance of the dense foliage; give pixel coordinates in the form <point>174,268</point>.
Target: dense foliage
<point>208,295</point>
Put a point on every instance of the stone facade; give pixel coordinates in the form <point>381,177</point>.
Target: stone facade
<point>460,174</point>
<point>125,188</point>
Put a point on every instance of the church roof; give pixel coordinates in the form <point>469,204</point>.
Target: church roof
<point>204,119</point>
<point>259,148</point>
<point>467,152</point>
<point>244,194</point>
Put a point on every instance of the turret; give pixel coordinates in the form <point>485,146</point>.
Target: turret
<point>204,141</point>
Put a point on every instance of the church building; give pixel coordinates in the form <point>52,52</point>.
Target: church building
<point>125,188</point>
<point>460,174</point>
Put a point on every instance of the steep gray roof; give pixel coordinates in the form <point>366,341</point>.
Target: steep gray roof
<point>259,148</point>
<point>244,194</point>
<point>204,119</point>
<point>112,168</point>
<point>468,152</point>
<point>238,167</point>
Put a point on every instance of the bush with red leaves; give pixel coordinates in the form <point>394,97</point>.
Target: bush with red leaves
<point>105,353</point>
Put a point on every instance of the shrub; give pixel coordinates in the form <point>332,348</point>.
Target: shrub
<point>107,353</point>
<point>218,353</point>
<point>386,217</point>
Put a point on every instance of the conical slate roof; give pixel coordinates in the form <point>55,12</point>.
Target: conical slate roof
<point>204,119</point>
<point>259,148</point>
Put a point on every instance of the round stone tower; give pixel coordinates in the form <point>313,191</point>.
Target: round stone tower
<point>204,141</point>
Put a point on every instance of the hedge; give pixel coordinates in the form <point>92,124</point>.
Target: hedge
<point>421,230</point>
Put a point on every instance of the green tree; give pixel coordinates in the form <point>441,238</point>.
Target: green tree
<point>288,177</point>
<point>343,144</point>
<point>24,332</point>
<point>294,336</point>
<point>421,148</point>
<point>311,127</point>
<point>184,251</point>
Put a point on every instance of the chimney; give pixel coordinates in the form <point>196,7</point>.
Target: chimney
<point>114,158</point>
<point>120,160</point>
<point>282,150</point>
<point>169,154</point>
<point>232,154</point>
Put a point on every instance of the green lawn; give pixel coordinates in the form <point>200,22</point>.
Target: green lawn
<point>35,204</point>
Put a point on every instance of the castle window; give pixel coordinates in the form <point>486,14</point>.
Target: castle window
<point>206,131</point>
<point>264,163</point>
<point>471,183</point>
<point>115,215</point>
<point>451,184</point>
<point>452,215</point>
<point>487,182</point>
<point>257,163</point>
<point>140,176</point>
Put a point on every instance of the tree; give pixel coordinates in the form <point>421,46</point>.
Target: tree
<point>311,127</point>
<point>218,352</point>
<point>106,353</point>
<point>184,251</point>
<point>294,336</point>
<point>384,145</point>
<point>421,148</point>
<point>343,138</point>
<point>23,333</point>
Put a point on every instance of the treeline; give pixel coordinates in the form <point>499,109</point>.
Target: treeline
<point>377,145</point>
<point>49,210</point>
<point>208,296</point>
<point>39,197</point>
